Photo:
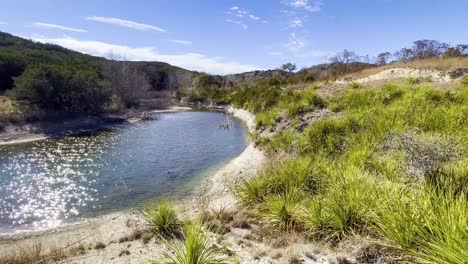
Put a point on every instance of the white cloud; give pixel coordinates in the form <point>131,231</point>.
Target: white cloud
<point>3,23</point>
<point>192,61</point>
<point>125,23</point>
<point>294,44</point>
<point>181,41</point>
<point>54,26</point>
<point>242,17</point>
<point>315,6</point>
<point>297,23</point>
<point>244,26</point>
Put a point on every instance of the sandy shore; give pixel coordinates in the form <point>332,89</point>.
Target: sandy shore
<point>110,229</point>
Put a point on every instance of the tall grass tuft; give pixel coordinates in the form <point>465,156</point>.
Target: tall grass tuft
<point>282,210</point>
<point>162,218</point>
<point>196,247</point>
<point>428,224</point>
<point>344,210</point>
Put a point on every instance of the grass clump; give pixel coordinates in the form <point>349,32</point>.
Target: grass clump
<point>196,247</point>
<point>464,80</point>
<point>428,224</point>
<point>283,176</point>
<point>344,210</point>
<point>162,218</point>
<point>281,210</point>
<point>266,119</point>
<point>354,85</point>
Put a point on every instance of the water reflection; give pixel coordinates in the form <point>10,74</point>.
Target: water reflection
<point>44,184</point>
<point>50,181</point>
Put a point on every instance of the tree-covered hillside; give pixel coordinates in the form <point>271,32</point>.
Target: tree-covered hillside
<point>57,79</point>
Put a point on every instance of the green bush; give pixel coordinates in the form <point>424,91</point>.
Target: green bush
<point>62,87</point>
<point>162,218</point>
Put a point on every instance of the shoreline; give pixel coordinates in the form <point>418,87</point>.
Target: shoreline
<point>215,188</point>
<point>25,134</point>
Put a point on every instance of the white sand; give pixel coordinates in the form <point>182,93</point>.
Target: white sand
<point>403,73</point>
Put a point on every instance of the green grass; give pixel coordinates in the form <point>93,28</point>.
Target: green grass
<point>350,172</point>
<point>427,224</point>
<point>196,247</point>
<point>343,210</point>
<point>464,81</point>
<point>162,218</point>
<point>266,119</point>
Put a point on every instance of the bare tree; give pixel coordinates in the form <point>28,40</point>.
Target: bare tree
<point>404,55</point>
<point>345,57</point>
<point>423,49</point>
<point>290,67</point>
<point>127,82</point>
<point>383,58</point>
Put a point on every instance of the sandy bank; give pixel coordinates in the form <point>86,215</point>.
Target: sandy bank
<point>435,76</point>
<point>110,229</point>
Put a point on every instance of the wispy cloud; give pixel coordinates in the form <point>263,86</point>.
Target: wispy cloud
<point>297,23</point>
<point>59,27</point>
<point>125,23</point>
<point>294,44</point>
<point>3,23</point>
<point>192,61</point>
<point>181,41</point>
<point>243,25</point>
<point>297,48</point>
<point>311,6</point>
<point>240,16</point>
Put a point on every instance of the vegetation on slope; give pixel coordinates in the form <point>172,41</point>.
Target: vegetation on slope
<point>389,162</point>
<point>63,81</point>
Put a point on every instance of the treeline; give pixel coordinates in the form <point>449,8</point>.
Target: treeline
<point>348,61</point>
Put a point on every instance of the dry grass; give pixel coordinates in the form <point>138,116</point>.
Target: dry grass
<point>36,255</point>
<point>442,64</point>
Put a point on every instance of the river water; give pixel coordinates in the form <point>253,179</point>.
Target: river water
<point>48,183</point>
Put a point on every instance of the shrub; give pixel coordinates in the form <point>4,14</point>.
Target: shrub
<point>161,218</point>
<point>66,88</point>
<point>195,248</point>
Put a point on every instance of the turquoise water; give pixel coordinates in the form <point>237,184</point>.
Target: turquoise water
<point>47,183</point>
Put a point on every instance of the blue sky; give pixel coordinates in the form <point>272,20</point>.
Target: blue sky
<point>228,36</point>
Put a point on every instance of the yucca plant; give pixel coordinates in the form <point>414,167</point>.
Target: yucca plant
<point>196,247</point>
<point>428,224</point>
<point>162,218</point>
<point>281,210</point>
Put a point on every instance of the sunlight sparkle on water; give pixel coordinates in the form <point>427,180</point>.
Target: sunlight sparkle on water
<point>48,184</point>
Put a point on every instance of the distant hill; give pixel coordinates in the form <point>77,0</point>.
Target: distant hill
<point>17,53</point>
